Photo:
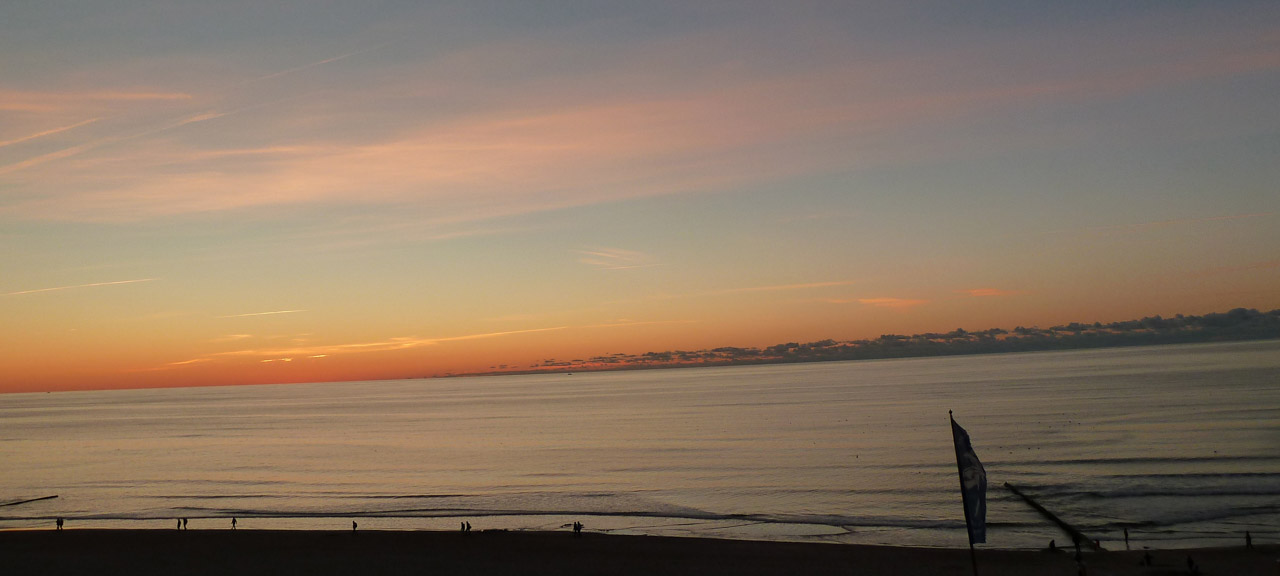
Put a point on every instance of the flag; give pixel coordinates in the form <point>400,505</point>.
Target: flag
<point>973,485</point>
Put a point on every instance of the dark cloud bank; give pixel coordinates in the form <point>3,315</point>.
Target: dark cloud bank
<point>1238,324</point>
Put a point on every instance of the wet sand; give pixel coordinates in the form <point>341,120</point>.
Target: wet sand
<point>241,552</point>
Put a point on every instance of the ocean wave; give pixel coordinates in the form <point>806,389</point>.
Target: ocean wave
<point>1197,492</point>
<point>327,495</point>
<point>1136,460</point>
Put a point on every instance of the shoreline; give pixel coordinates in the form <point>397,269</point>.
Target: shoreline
<point>321,552</point>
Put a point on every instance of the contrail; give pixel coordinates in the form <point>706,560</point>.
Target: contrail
<point>79,286</point>
<point>80,148</point>
<point>318,63</point>
<point>262,313</point>
<point>47,132</point>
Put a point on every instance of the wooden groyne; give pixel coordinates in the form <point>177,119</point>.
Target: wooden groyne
<point>31,500</point>
<point>1076,535</point>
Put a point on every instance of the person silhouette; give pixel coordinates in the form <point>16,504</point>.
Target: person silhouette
<point>184,523</point>
<point>179,524</point>
<point>462,526</point>
<point>1248,540</point>
<point>468,527</point>
<point>353,526</point>
<point>58,523</point>
<point>233,523</point>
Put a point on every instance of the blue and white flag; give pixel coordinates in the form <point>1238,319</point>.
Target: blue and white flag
<point>973,485</point>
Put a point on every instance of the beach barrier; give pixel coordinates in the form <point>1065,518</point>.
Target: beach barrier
<point>28,501</point>
<point>1076,535</point>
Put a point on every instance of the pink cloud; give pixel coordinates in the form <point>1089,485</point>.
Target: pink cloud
<point>566,140</point>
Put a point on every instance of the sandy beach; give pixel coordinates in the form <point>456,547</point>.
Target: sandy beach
<point>226,552</point>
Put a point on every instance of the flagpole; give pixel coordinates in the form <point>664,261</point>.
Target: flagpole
<point>964,498</point>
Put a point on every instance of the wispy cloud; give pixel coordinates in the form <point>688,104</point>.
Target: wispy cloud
<point>1220,270</point>
<point>231,338</point>
<point>892,302</point>
<point>91,285</point>
<point>165,125</point>
<point>287,354</point>
<point>782,287</point>
<point>271,313</point>
<point>750,289</point>
<point>21,101</point>
<point>78,149</point>
<point>1157,224</point>
<point>632,323</point>
<point>988,292</point>
<point>48,157</point>
<point>615,259</point>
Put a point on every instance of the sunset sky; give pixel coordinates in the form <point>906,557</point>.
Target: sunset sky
<point>198,193</point>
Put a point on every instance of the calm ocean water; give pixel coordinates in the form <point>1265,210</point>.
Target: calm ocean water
<point>1179,443</point>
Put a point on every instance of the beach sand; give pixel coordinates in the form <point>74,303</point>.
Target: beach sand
<point>241,552</point>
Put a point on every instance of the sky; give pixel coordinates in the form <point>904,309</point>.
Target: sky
<point>213,193</point>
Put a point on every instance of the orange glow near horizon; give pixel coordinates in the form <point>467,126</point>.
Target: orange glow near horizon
<point>235,197</point>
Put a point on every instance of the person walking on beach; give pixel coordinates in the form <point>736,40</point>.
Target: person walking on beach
<point>462,527</point>
<point>58,524</point>
<point>353,526</point>
<point>1248,540</point>
<point>1126,538</point>
<point>233,523</point>
<point>184,523</point>
<point>468,527</point>
<point>179,524</point>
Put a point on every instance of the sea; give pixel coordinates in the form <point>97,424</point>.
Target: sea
<point>1180,445</point>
